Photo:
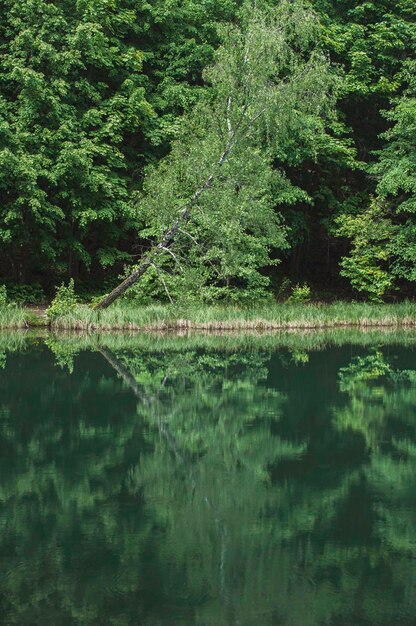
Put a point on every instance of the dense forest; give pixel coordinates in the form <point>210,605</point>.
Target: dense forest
<point>113,114</point>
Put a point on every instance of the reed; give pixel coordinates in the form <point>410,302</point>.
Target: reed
<point>157,317</point>
<point>233,318</point>
<point>13,317</point>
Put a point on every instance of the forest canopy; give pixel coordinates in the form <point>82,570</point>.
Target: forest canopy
<point>112,112</point>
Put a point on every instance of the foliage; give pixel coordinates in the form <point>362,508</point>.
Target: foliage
<point>383,237</point>
<point>300,293</point>
<point>397,181</point>
<point>26,294</point>
<point>267,68</point>
<point>375,42</point>
<point>64,302</point>
<point>95,95</point>
<point>89,93</point>
<point>283,289</point>
<point>3,296</point>
<point>72,99</point>
<point>367,266</point>
<point>397,162</point>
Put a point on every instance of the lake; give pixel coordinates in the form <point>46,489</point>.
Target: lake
<point>208,481</point>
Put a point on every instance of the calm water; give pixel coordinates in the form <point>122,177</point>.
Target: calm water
<point>190,482</point>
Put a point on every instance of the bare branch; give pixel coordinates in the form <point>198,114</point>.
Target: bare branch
<point>184,232</point>
<point>174,257</point>
<point>163,282</point>
<point>229,125</point>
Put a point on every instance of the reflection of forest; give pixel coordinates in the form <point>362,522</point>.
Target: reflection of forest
<point>198,486</point>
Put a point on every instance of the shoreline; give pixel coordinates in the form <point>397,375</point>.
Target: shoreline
<point>258,326</point>
<point>262,318</point>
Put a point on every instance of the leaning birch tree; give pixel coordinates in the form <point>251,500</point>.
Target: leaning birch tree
<point>270,89</point>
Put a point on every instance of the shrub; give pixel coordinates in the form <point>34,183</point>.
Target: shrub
<point>26,294</point>
<point>65,301</point>
<point>374,244</point>
<point>300,293</point>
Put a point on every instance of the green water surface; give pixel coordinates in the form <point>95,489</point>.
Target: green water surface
<point>197,481</point>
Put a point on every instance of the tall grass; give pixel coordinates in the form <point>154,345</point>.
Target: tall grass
<point>13,317</point>
<point>234,318</point>
<point>127,317</point>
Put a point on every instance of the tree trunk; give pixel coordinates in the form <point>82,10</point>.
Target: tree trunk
<point>122,371</point>
<point>135,276</point>
<point>166,240</point>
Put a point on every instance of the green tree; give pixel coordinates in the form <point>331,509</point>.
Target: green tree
<point>73,108</point>
<point>373,42</point>
<point>396,188</point>
<point>383,236</point>
<point>372,237</point>
<point>270,95</point>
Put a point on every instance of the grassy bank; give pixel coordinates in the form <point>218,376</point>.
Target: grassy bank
<point>218,318</point>
<point>13,317</point>
<point>233,318</point>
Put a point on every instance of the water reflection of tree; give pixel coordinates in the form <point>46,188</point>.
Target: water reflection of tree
<point>166,492</point>
<point>281,563</point>
<point>211,430</point>
<point>382,406</point>
<point>65,444</point>
<point>213,426</point>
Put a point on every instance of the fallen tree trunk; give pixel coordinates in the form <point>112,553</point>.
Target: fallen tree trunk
<point>166,240</point>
